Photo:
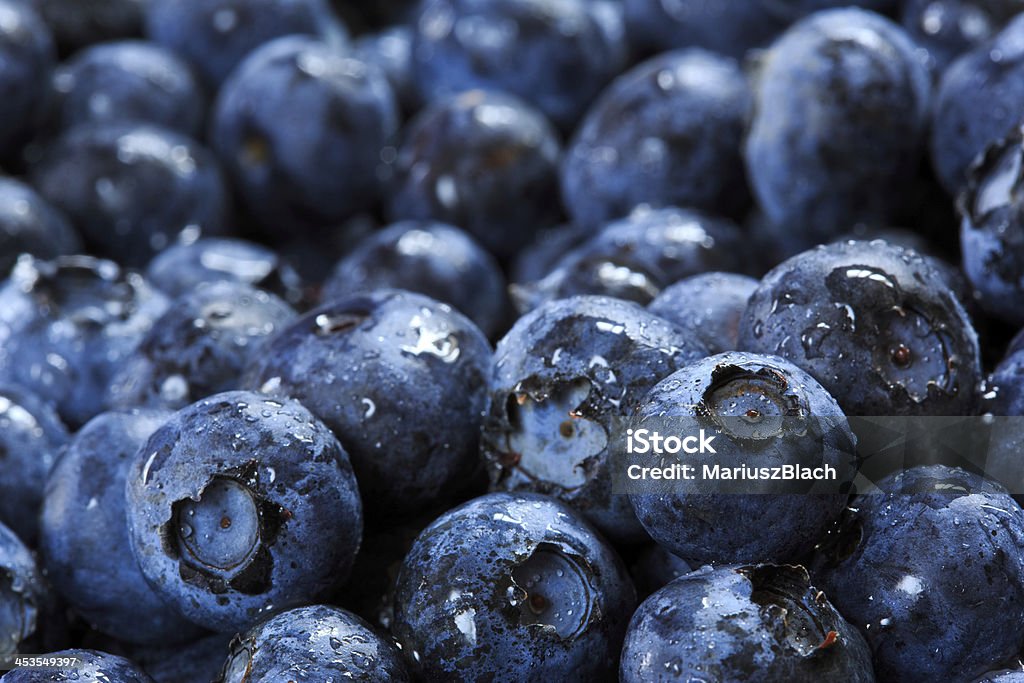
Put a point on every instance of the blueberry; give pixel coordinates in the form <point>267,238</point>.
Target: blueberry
<point>92,666</point>
<point>84,533</point>
<point>30,225</point>
<point>402,381</point>
<point>540,256</point>
<point>908,565</point>
<point>1003,676</point>
<point>961,130</point>
<point>757,623</point>
<point>127,81</point>
<point>27,55</point>
<point>760,408</point>
<point>564,380</point>
<point>636,257</point>
<point>512,588</point>
<point>434,259</point>
<point>242,505</point>
<point>216,35</point>
<point>22,593</point>
<point>300,126</point>
<point>564,51</point>
<point>325,643</point>
<point>486,162</point>
<point>199,346</point>
<point>31,436</point>
<point>841,112</point>
<point>948,28</point>
<point>875,324</point>
<point>655,568</point>
<point>710,304</point>
<point>132,188</point>
<point>79,23</point>
<point>391,51</point>
<point>1007,382</point>
<point>66,325</point>
<point>669,132</point>
<point>200,660</point>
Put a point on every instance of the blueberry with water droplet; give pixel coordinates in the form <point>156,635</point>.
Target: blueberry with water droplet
<point>92,665</point>
<point>710,304</point>
<point>31,225</point>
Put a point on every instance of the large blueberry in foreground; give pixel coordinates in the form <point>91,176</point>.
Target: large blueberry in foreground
<point>326,643</point>
<point>909,567</point>
<point>710,304</point>
<point>667,133</point>
<point>84,533</point>
<point>759,623</point>
<point>242,505</point>
<point>300,127</point>
<point>763,412</point>
<point>27,54</point>
<point>92,665</point>
<point>564,381</point>
<point>65,325</point>
<point>402,381</point>
<point>875,324</point>
<point>22,593</point>
<point>512,587</point>
<point>30,225</point>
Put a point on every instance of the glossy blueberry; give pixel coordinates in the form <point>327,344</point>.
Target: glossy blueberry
<point>326,644</point>
<point>841,112</point>
<point>763,409</point>
<point>242,505</point>
<point>31,436</point>
<point>948,28</point>
<point>391,51</point>
<point>199,347</point>
<point>636,257</point>
<point>300,126</point>
<point>892,570</point>
<point>22,593</point>
<point>127,81</point>
<point>875,324</point>
<point>216,35</point>
<point>669,132</point>
<point>27,55</point>
<point>710,304</point>
<point>132,189</point>
<point>402,381</point>
<point>66,325</point>
<point>1003,676</point>
<point>759,623</point>
<point>84,533</point>
<point>30,225</point>
<point>486,162</point>
<point>512,587</point>
<point>655,568</point>
<point>92,666</point>
<point>430,258</point>
<point>992,73</point>
<point>564,380</point>
<point>79,23</point>
<point>565,51</point>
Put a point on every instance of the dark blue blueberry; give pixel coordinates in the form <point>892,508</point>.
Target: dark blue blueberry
<point>842,102</point>
<point>132,189</point>
<point>512,587</point>
<point>402,381</point>
<point>669,132</point>
<point>391,51</point>
<point>92,665</point>
<point>538,258</point>
<point>301,126</point>
<point>875,324</point>
<point>27,54</point>
<point>655,568</point>
<point>947,28</point>
<point>201,660</point>
<point>66,325</point>
<point>1006,383</point>
<point>199,347</point>
<point>326,644</point>
<point>564,380</point>
<point>127,81</point>
<point>992,73</point>
<point>486,162</point>
<point>761,409</point>
<point>711,305</point>
<point>434,259</point>
<point>910,565</point>
<point>79,23</point>
<point>636,257</point>
<point>29,225</point>
<point>563,51</point>
<point>240,506</point>
<point>216,35</point>
<point>760,624</point>
<point>84,533</point>
<point>22,593</point>
<point>31,436</point>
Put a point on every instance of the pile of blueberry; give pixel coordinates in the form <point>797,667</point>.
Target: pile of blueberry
<point>321,321</point>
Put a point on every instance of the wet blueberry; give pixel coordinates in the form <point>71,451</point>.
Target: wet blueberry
<point>240,506</point>
<point>22,593</point>
<point>27,54</point>
<point>710,304</point>
<point>30,225</point>
<point>948,28</point>
<point>92,665</point>
<point>512,587</point>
